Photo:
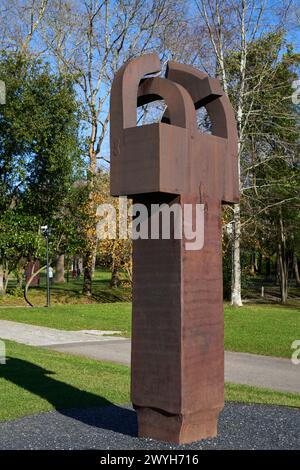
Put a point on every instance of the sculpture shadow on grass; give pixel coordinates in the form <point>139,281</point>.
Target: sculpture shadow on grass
<point>68,400</point>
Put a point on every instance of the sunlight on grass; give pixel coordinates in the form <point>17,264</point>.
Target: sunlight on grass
<point>262,329</point>
<point>112,316</point>
<point>257,329</point>
<point>35,380</point>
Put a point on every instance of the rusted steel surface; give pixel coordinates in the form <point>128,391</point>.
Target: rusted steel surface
<point>177,372</point>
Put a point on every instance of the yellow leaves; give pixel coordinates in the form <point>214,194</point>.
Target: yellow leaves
<point>114,253</point>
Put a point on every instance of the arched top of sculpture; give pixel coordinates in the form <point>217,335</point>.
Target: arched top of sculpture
<point>181,110</point>
<point>206,91</point>
<point>123,99</point>
<point>184,84</point>
<point>171,159</point>
<point>132,88</point>
<point>202,88</point>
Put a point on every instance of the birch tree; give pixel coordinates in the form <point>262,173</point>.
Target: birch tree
<point>231,27</point>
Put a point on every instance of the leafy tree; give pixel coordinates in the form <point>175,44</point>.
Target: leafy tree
<point>39,151</point>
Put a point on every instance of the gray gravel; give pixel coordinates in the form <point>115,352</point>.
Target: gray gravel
<point>113,427</point>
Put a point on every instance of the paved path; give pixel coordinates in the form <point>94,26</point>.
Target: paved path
<point>262,371</point>
<point>250,369</point>
<point>114,427</point>
<point>41,336</point>
<point>113,350</point>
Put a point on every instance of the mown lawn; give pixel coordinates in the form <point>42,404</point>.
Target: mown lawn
<point>110,316</point>
<point>35,380</point>
<point>68,292</point>
<point>262,329</point>
<point>258,329</point>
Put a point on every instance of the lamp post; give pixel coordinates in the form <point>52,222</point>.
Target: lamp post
<point>46,232</point>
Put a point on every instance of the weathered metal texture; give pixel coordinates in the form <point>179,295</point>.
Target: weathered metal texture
<point>177,372</point>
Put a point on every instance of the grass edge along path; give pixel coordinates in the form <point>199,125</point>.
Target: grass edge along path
<point>110,316</point>
<point>36,380</point>
<point>266,329</point>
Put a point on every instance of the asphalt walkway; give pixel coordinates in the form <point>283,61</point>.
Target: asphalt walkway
<point>34,335</point>
<point>249,369</point>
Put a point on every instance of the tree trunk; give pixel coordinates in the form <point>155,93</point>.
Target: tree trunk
<point>277,272</point>
<point>94,263</point>
<point>6,278</point>
<point>2,289</point>
<point>283,278</point>
<point>283,268</point>
<point>296,270</point>
<point>256,263</point>
<point>29,281</point>
<point>260,263</point>
<point>252,264</point>
<point>60,270</point>
<point>20,279</point>
<point>115,277</point>
<point>268,267</point>
<point>88,274</point>
<point>236,297</point>
<point>20,272</point>
<point>236,285</point>
<point>88,260</point>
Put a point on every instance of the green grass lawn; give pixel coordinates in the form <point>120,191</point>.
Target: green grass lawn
<point>262,329</point>
<point>111,316</point>
<point>68,292</point>
<point>35,380</point>
<point>258,329</point>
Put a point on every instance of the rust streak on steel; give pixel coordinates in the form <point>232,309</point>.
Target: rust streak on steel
<point>177,376</point>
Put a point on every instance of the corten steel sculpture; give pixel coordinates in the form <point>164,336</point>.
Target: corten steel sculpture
<point>177,385</point>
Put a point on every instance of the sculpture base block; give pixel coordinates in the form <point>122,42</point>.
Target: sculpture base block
<point>178,429</point>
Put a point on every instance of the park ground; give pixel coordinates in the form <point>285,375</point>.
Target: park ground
<point>257,329</point>
<point>36,379</point>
